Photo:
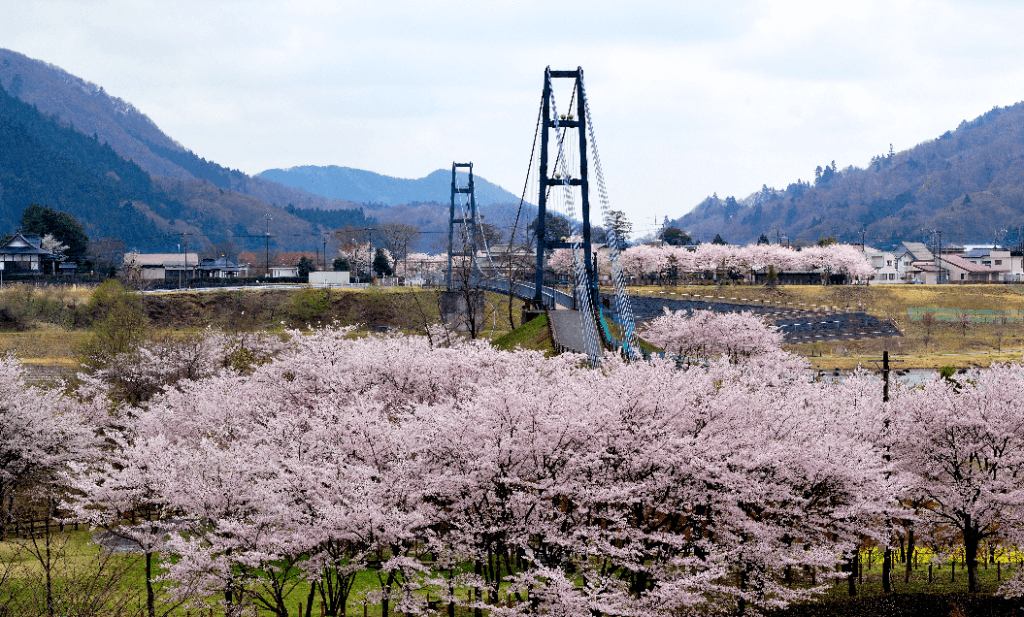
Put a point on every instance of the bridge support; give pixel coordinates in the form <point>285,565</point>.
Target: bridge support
<point>550,123</point>
<point>469,230</point>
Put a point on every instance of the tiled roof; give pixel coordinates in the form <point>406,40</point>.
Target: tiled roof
<point>166,260</point>
<point>959,262</point>
<point>918,250</point>
<point>22,245</point>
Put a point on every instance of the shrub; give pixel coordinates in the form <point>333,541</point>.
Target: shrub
<point>118,322</point>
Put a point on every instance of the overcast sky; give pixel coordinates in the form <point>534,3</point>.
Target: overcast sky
<point>688,98</point>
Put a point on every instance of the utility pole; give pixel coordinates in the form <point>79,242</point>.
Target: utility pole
<point>863,235</point>
<point>267,239</point>
<point>184,240</point>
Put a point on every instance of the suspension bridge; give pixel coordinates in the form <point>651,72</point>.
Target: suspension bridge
<point>567,157</point>
<point>568,163</point>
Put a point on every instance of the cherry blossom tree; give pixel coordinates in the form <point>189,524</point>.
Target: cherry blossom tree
<point>962,445</point>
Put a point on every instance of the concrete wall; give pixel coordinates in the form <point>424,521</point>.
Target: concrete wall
<point>329,278</point>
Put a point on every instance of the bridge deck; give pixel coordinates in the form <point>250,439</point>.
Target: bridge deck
<point>567,331</point>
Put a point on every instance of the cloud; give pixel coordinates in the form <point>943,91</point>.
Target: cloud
<point>689,98</point>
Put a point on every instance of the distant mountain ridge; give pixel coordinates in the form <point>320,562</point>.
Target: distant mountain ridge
<point>372,188</point>
<point>968,183</point>
<point>89,109</point>
<point>66,143</point>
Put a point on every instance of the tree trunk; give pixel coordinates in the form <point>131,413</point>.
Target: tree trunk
<point>887,571</point>
<point>478,569</point>
<point>309,601</point>
<point>971,541</point>
<point>910,554</point>
<point>150,595</point>
<point>852,565</point>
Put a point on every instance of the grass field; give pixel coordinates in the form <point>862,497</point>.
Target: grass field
<point>83,557</point>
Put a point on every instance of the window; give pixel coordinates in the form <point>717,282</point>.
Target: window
<point>888,262</point>
<point>999,262</point>
<point>961,276</point>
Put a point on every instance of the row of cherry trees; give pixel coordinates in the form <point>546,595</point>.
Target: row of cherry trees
<point>540,485</point>
<point>650,261</point>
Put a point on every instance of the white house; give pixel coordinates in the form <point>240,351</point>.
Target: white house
<point>886,265</point>
<point>24,254</point>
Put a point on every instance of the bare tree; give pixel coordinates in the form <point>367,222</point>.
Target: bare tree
<point>106,254</point>
<point>396,238</point>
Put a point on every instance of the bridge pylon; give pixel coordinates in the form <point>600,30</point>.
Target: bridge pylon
<point>468,223</point>
<point>559,124</point>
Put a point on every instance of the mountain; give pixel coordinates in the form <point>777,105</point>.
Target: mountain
<point>90,109</point>
<point>373,188</point>
<point>968,183</point>
<point>44,161</point>
<point>70,145</point>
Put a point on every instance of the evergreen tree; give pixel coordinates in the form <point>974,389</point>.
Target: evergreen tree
<point>39,220</point>
<point>381,265</point>
<point>306,266</point>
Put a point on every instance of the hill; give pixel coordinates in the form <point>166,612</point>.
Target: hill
<point>423,202</point>
<point>91,110</point>
<point>44,161</point>
<point>70,145</point>
<point>373,188</point>
<point>967,182</point>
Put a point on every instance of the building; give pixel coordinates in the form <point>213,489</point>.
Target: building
<point>161,266</point>
<point>222,268</point>
<point>957,269</point>
<point>24,254</point>
<point>1002,260</point>
<point>886,265</point>
<point>279,272</point>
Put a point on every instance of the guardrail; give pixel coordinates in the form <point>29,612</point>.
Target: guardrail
<point>525,291</point>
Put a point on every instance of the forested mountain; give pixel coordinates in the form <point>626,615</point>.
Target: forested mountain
<point>373,188</point>
<point>423,202</point>
<point>969,183</point>
<point>67,144</point>
<point>88,108</point>
<point>43,161</point>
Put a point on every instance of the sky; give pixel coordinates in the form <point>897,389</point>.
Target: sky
<point>687,98</point>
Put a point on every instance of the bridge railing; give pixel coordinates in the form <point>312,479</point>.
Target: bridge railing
<point>525,291</point>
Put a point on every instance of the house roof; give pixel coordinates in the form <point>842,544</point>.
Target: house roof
<point>959,262</point>
<point>221,263</point>
<point>161,260</point>
<point>917,250</point>
<point>21,244</point>
<point>981,252</point>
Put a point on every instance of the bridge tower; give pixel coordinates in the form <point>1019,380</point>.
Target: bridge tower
<point>558,125</point>
<point>467,222</point>
<point>572,169</point>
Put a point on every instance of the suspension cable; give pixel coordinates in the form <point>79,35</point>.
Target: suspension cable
<point>588,321</point>
<point>630,342</point>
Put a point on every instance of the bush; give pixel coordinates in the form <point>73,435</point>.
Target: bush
<point>21,306</point>
<point>118,324</point>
